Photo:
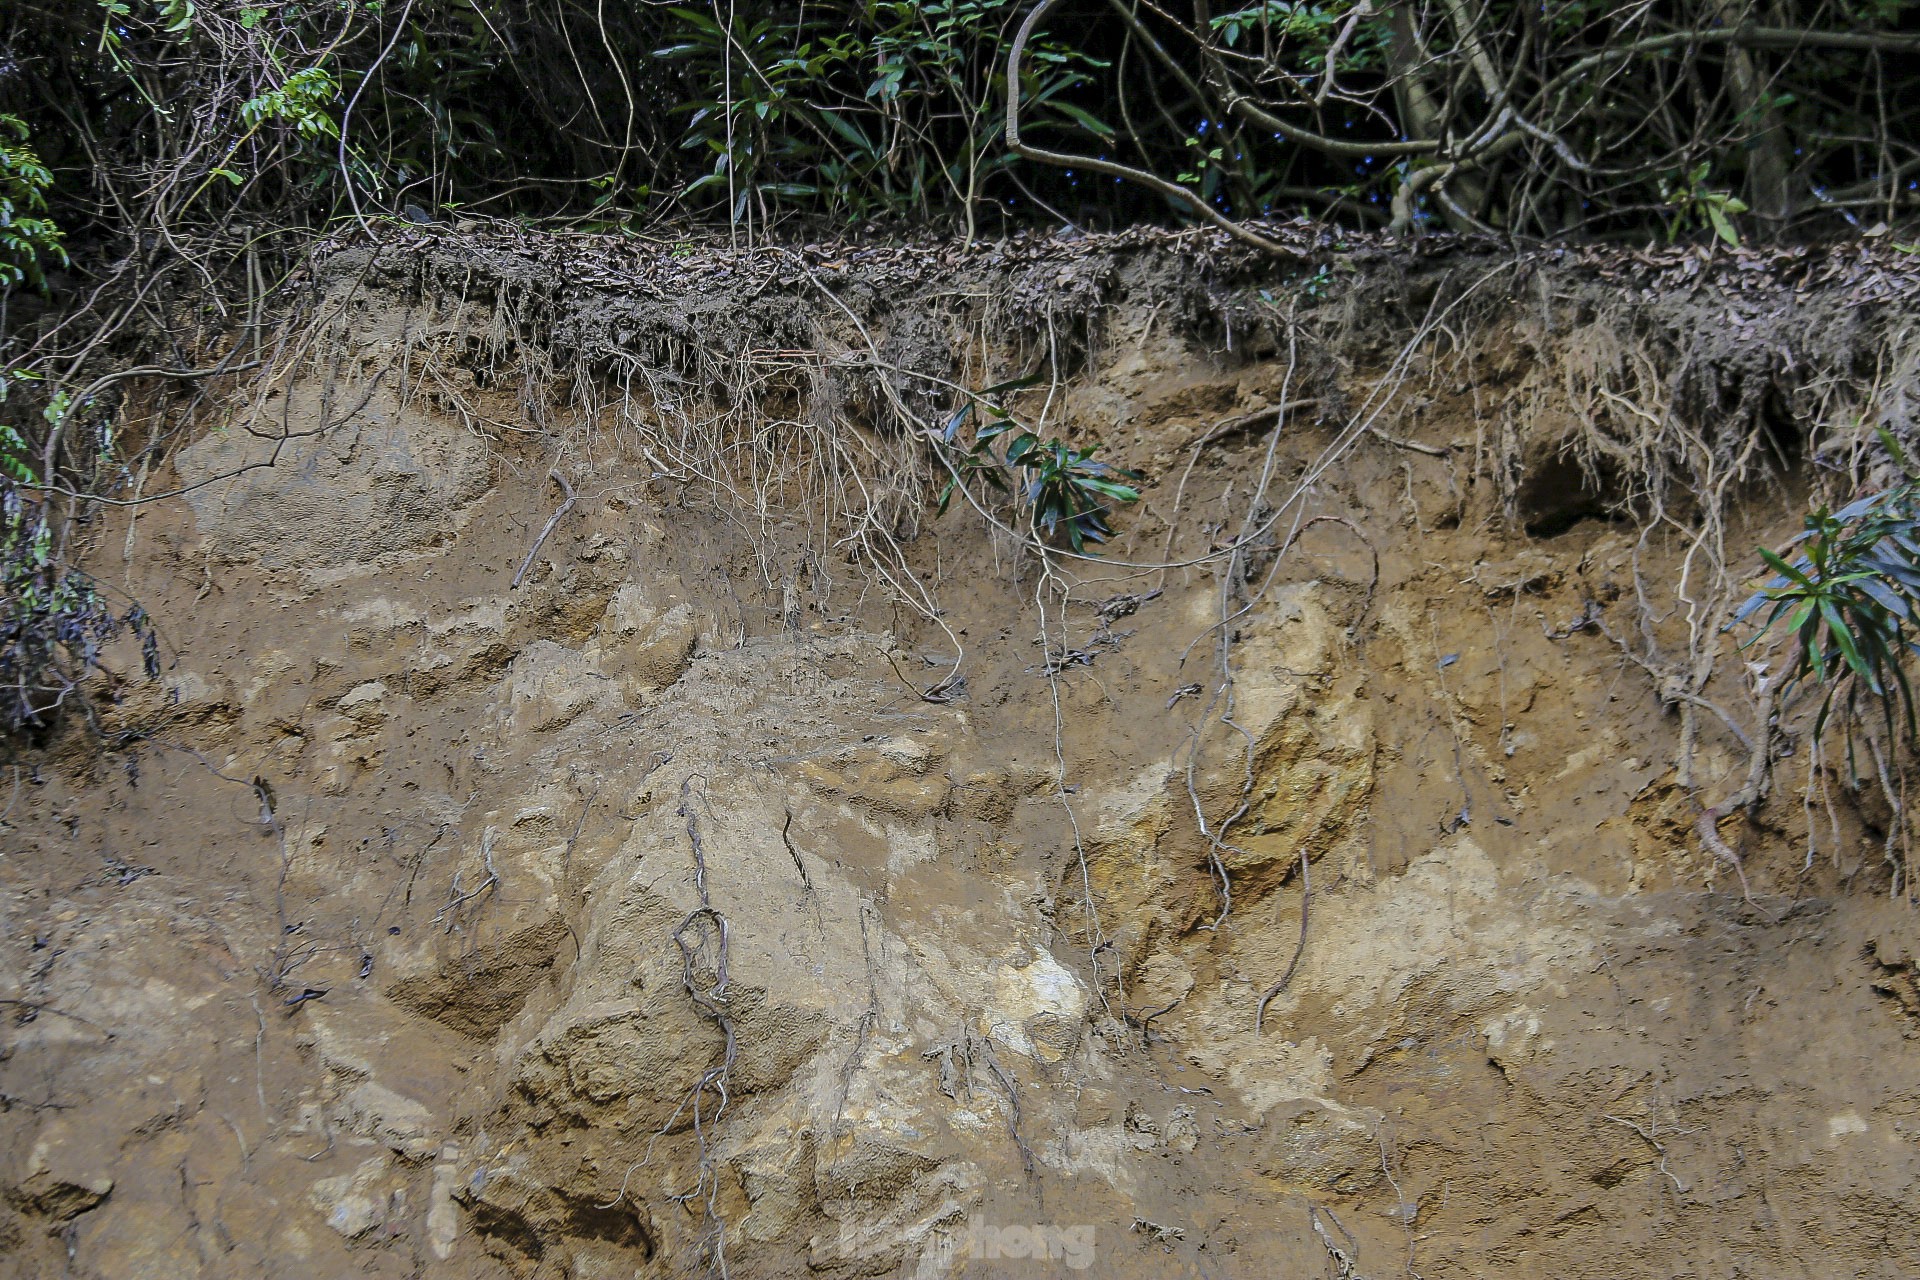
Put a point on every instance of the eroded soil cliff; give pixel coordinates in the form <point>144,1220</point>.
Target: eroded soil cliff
<point>1310,886</point>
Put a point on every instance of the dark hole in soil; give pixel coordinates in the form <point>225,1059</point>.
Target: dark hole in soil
<point>617,1226</point>
<point>1557,494</point>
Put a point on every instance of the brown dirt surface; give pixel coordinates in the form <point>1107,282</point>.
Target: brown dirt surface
<point>738,895</point>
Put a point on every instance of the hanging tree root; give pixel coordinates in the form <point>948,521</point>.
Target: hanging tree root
<point>705,927</point>
<point>703,935</point>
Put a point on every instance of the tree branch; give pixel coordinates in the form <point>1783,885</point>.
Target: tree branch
<point>1178,194</point>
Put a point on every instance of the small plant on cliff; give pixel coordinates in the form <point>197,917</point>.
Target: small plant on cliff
<point>54,619</point>
<point>1694,205</point>
<point>1061,487</point>
<point>1851,602</point>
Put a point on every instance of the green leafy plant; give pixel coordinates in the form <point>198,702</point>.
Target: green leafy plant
<point>1065,487</point>
<point>1305,22</point>
<point>892,108</point>
<point>27,239</point>
<point>14,463</point>
<point>1851,601</point>
<point>54,622</point>
<point>1694,205</point>
<point>302,102</point>
<point>1062,489</point>
<point>54,618</point>
<point>16,458</point>
<point>1524,119</point>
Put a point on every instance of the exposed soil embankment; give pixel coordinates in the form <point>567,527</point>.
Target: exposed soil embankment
<point>598,819</point>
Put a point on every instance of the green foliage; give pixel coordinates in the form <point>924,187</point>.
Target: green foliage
<point>1849,600</point>
<point>14,462</point>
<point>301,101</point>
<point>1694,205</point>
<point>1066,489</point>
<point>176,16</point>
<point>1310,24</point>
<point>27,239</point>
<point>1530,119</point>
<point>886,109</point>
<point>54,619</point>
<point>16,458</point>
<point>1060,488</point>
<point>172,17</point>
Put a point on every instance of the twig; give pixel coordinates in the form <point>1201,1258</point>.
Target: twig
<point>346,116</point>
<point>1679,1187</point>
<point>1145,1019</point>
<point>1412,446</point>
<point>35,1008</point>
<point>939,693</point>
<point>456,898</point>
<point>1408,1211</point>
<point>1299,948</point>
<point>1178,194</point>
<point>1158,1232</point>
<point>566,858</point>
<point>984,1047</point>
<point>793,851</point>
<point>1343,1259</point>
<point>1707,827</point>
<point>552,520</point>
